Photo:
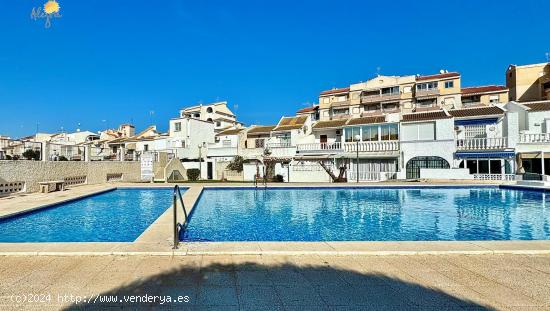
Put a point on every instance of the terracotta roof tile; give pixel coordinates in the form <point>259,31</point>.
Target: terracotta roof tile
<point>307,109</point>
<point>367,120</point>
<point>291,123</point>
<point>483,89</point>
<point>425,116</point>
<point>261,129</point>
<point>438,76</point>
<point>330,124</point>
<point>478,111</point>
<point>540,106</point>
<point>335,91</point>
<point>230,132</point>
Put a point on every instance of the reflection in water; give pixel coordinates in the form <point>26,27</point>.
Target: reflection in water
<point>370,214</point>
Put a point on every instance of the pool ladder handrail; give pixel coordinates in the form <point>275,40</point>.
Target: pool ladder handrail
<point>177,226</point>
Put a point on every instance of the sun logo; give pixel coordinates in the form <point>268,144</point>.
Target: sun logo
<point>49,11</point>
<point>51,7</point>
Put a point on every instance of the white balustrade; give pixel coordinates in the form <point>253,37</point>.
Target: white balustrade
<point>372,146</point>
<point>534,138</point>
<point>319,146</point>
<point>482,143</point>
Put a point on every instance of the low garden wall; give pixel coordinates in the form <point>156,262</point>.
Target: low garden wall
<point>75,172</point>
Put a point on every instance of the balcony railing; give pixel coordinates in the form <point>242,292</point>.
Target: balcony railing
<point>534,138</point>
<point>341,116</point>
<point>319,147</point>
<point>427,92</point>
<point>279,145</point>
<point>342,103</point>
<point>379,97</point>
<point>482,143</point>
<point>372,146</point>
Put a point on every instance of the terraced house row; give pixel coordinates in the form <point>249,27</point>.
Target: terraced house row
<point>407,127</point>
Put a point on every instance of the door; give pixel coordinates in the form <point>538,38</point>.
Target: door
<point>415,164</point>
<point>323,141</point>
<point>209,170</point>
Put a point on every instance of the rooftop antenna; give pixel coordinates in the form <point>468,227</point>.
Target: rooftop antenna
<point>547,56</point>
<point>378,71</point>
<point>78,127</point>
<point>151,114</point>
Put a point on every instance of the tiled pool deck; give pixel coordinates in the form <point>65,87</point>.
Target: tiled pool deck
<point>270,282</point>
<point>158,239</point>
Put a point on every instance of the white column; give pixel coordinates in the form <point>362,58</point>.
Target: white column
<point>45,151</point>
<point>122,153</point>
<point>542,163</point>
<point>87,153</point>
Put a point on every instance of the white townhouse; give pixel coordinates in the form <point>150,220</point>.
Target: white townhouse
<point>533,146</point>
<point>188,138</point>
<point>218,113</point>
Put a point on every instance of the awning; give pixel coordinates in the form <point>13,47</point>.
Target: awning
<point>485,155</point>
<point>476,121</point>
<point>534,155</point>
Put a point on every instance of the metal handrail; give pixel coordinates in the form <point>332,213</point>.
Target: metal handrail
<point>178,226</point>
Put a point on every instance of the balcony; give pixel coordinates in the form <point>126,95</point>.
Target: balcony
<point>315,148</point>
<point>365,99</point>
<point>539,138</point>
<point>372,146</point>
<point>427,92</point>
<point>279,145</point>
<point>495,177</point>
<point>343,103</point>
<point>482,143</point>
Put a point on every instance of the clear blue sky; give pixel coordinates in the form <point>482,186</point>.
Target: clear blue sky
<point>118,60</point>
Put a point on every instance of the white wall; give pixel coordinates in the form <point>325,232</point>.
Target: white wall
<point>453,173</point>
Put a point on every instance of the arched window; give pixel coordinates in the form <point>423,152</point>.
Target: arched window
<point>209,110</point>
<point>209,119</point>
<point>415,164</point>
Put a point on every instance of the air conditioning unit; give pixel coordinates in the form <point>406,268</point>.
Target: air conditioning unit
<point>338,132</point>
<point>459,128</point>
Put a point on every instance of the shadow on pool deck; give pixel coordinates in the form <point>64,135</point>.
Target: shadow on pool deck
<point>254,286</point>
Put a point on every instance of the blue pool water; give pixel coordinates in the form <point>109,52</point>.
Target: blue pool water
<point>116,216</point>
<point>370,214</point>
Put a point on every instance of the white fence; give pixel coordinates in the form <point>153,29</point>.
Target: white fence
<point>496,177</point>
<point>482,143</point>
<point>370,176</point>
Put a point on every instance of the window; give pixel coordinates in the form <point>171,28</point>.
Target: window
<point>177,127</point>
<point>209,119</point>
<point>340,111</point>
<point>197,115</point>
<point>145,147</point>
<point>418,131</point>
<point>475,131</point>
<point>259,143</point>
<point>389,132</point>
<point>449,84</point>
<point>370,133</point>
<point>218,123</point>
<point>350,133</point>
<point>209,110</point>
<point>390,106</point>
<point>426,86</point>
<point>425,103</point>
<point>372,108</point>
<point>390,90</point>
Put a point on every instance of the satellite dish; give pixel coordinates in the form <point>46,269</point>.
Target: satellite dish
<point>441,71</point>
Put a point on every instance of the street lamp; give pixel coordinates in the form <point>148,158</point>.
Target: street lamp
<point>357,138</point>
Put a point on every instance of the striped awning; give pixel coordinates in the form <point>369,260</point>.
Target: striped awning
<point>485,155</point>
<point>476,121</point>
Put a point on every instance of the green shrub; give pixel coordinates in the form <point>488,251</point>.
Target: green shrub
<point>278,178</point>
<point>62,158</point>
<point>30,154</point>
<point>236,164</point>
<point>8,157</point>
<point>193,174</point>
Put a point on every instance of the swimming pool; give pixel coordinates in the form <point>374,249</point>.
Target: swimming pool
<point>120,215</point>
<point>370,214</point>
